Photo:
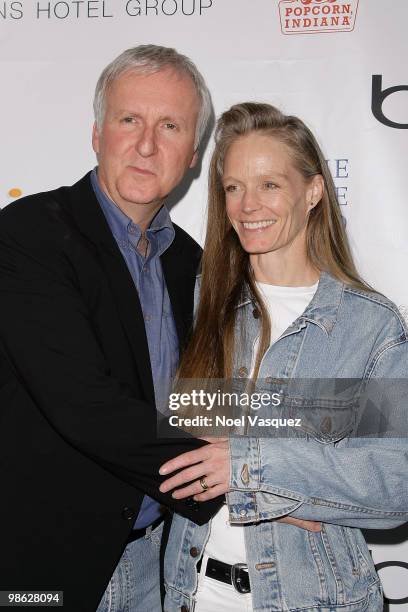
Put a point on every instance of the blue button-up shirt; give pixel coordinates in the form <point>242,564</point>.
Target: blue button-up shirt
<point>149,281</point>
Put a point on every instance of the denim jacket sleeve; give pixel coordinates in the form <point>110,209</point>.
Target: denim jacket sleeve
<point>358,482</point>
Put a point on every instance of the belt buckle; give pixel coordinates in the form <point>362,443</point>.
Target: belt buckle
<point>240,578</point>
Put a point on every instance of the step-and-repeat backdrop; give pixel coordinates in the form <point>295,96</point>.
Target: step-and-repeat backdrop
<point>341,65</point>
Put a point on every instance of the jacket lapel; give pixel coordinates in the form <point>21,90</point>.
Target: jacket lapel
<point>93,225</point>
<point>179,273</point>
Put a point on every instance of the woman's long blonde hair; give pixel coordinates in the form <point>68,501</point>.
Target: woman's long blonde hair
<point>226,270</point>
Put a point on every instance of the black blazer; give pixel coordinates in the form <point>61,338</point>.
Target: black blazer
<point>78,445</point>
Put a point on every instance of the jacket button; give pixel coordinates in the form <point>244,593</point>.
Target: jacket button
<point>194,552</point>
<point>128,514</point>
<point>245,474</point>
<point>243,372</point>
<point>255,313</point>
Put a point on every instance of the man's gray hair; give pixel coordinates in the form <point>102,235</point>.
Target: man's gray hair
<point>148,59</point>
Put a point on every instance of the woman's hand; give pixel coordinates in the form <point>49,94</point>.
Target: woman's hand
<point>208,466</point>
<point>211,463</point>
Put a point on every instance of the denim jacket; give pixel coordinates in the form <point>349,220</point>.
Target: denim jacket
<point>346,482</point>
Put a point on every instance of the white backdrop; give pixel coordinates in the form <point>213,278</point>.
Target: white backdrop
<point>313,58</point>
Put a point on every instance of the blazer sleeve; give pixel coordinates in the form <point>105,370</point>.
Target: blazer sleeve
<point>47,338</point>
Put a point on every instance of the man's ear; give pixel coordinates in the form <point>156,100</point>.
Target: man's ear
<point>194,159</point>
<point>95,138</point>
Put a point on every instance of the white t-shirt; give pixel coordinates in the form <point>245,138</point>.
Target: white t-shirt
<point>284,304</point>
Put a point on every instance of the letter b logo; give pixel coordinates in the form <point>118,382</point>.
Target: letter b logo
<point>378,96</point>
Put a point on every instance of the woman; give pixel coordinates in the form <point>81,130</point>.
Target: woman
<point>281,300</point>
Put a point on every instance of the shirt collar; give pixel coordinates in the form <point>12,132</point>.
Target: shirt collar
<point>323,308</point>
<point>325,303</point>
<point>160,232</point>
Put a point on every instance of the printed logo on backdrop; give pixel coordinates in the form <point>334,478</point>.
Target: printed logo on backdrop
<point>340,170</point>
<point>317,16</point>
<point>101,9</point>
<point>379,95</point>
<point>393,600</point>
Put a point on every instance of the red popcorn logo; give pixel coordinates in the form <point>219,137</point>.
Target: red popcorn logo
<point>316,1</point>
<point>317,16</point>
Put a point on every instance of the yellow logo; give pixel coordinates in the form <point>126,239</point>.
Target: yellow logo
<point>15,192</point>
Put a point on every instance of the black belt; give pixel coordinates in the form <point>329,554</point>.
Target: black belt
<point>237,574</point>
<point>136,534</point>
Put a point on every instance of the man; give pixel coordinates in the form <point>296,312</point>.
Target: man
<point>96,298</point>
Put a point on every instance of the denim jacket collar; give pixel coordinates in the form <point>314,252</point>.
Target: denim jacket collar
<point>324,306</point>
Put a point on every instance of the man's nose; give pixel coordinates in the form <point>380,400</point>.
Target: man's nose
<point>146,143</point>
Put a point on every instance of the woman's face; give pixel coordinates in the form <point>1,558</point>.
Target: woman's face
<point>267,199</point>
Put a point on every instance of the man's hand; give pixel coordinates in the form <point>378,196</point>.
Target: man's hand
<point>210,463</point>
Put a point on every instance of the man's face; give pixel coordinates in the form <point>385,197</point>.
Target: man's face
<point>146,142</point>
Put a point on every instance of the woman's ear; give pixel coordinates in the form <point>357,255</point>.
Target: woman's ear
<point>316,191</point>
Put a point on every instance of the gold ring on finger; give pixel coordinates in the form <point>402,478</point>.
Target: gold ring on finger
<point>203,484</point>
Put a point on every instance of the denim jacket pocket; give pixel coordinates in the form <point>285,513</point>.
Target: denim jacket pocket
<point>323,421</point>
<point>327,413</point>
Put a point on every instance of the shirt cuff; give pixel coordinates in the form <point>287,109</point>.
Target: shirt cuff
<point>245,464</point>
